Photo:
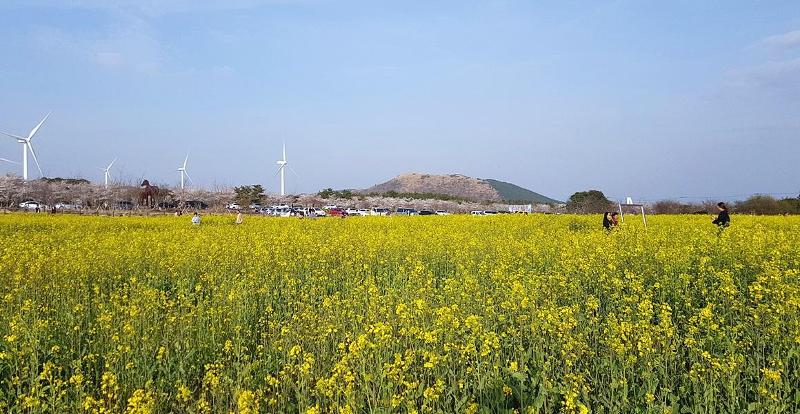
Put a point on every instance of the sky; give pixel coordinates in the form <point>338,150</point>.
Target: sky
<point>684,99</point>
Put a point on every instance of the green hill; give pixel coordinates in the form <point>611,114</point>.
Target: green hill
<point>514,193</point>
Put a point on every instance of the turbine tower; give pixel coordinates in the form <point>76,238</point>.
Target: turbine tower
<point>281,166</point>
<point>106,170</point>
<point>26,146</point>
<point>184,173</point>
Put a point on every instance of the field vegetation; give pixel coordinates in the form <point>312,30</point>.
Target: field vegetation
<point>451,314</point>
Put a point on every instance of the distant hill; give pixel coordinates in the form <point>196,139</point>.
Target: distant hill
<point>513,192</point>
<point>460,187</point>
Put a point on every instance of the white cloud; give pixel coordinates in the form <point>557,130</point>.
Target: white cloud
<point>785,40</point>
<point>780,75</point>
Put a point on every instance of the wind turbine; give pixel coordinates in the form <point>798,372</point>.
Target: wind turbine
<point>184,173</point>
<point>106,170</point>
<point>9,161</point>
<point>26,145</point>
<point>281,166</point>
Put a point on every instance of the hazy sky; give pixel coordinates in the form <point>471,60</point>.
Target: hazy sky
<point>641,98</point>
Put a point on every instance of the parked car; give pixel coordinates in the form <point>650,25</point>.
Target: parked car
<point>489,212</point>
<point>379,211</point>
<point>477,213</point>
<point>426,213</point>
<point>66,206</point>
<point>233,206</point>
<point>336,212</point>
<point>406,211</point>
<point>196,204</point>
<point>124,205</point>
<point>30,205</point>
<point>282,211</point>
<point>442,213</point>
<point>352,212</point>
<point>317,211</point>
<point>255,206</point>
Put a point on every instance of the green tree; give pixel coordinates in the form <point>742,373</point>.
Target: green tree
<point>249,194</point>
<point>592,201</point>
<point>791,205</point>
<point>764,204</point>
<point>326,193</point>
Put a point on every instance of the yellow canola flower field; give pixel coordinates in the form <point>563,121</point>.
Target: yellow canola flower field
<point>459,314</point>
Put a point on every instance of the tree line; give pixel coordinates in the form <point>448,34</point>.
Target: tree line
<point>594,201</point>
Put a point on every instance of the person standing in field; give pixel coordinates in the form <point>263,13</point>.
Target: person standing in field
<point>196,219</point>
<point>239,218</point>
<point>723,218</point>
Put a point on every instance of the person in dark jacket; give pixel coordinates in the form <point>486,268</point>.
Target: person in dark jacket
<point>609,220</point>
<point>723,218</point>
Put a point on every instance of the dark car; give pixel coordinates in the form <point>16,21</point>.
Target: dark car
<point>196,204</point>
<point>406,211</point>
<point>426,213</point>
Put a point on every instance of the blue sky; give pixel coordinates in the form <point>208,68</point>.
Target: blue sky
<point>647,99</point>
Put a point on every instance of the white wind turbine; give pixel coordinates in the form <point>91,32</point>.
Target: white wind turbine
<point>282,165</point>
<point>26,146</point>
<point>184,173</point>
<point>106,170</point>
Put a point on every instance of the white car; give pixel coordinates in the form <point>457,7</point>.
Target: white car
<point>442,213</point>
<point>318,211</point>
<point>352,212</point>
<point>65,206</point>
<point>363,212</point>
<point>309,211</point>
<point>233,206</point>
<point>378,211</point>
<point>279,211</point>
<point>477,213</point>
<point>30,205</point>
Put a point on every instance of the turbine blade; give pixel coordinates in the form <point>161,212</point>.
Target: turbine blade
<point>187,176</point>
<point>36,160</point>
<point>112,163</point>
<point>284,151</point>
<point>36,129</point>
<point>9,161</point>
<point>12,135</point>
<point>293,171</point>
<point>185,161</point>
<point>279,171</point>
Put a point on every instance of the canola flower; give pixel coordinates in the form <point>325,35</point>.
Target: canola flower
<point>529,314</point>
